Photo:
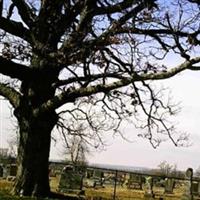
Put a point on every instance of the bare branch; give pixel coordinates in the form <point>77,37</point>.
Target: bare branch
<point>172,72</point>
<point>10,94</point>
<point>15,28</point>
<point>194,68</point>
<point>1,7</point>
<point>118,7</point>
<point>71,95</point>
<point>25,11</point>
<point>194,1</point>
<point>79,34</point>
<point>14,70</point>
<point>91,78</point>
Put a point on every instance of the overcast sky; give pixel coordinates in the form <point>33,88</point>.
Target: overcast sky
<point>185,88</point>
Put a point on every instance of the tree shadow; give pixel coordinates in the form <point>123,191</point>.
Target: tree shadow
<point>55,195</point>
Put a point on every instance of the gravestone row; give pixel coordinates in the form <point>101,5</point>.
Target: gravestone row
<point>8,170</point>
<point>72,179</point>
<point>191,187</point>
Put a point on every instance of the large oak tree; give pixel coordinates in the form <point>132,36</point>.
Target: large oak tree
<point>100,54</point>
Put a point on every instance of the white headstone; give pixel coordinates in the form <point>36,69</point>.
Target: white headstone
<point>187,194</point>
<point>149,188</point>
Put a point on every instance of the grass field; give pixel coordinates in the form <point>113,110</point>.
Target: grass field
<point>124,194</point>
<point>98,193</point>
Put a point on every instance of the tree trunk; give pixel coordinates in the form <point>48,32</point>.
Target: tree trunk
<point>35,132</point>
<point>33,156</point>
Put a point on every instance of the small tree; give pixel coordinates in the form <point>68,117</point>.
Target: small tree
<point>3,155</point>
<point>167,169</point>
<point>13,143</point>
<point>6,157</point>
<point>197,172</point>
<point>76,151</point>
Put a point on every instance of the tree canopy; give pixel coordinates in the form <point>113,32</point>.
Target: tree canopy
<point>91,61</point>
<point>97,47</point>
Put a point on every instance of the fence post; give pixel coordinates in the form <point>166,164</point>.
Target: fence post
<point>115,186</point>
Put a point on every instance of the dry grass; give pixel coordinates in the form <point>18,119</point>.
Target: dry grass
<point>5,185</point>
<point>106,193</point>
<point>129,194</point>
<point>125,194</point>
<point>122,193</point>
<point>54,183</point>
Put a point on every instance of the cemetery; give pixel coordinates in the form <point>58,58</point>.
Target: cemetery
<point>78,73</point>
<point>116,184</point>
<point>91,182</point>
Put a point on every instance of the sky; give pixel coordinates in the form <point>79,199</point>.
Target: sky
<point>184,89</point>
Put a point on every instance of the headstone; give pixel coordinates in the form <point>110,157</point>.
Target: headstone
<point>12,170</point>
<point>1,171</point>
<point>70,180</point>
<point>135,182</point>
<point>5,172</point>
<point>94,178</point>
<point>89,173</point>
<point>149,188</point>
<point>98,178</point>
<point>196,188</point>
<point>169,185</point>
<point>52,172</point>
<point>121,179</point>
<point>97,174</point>
<point>187,194</point>
<point>102,179</point>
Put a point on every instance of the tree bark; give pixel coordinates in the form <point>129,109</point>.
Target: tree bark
<point>33,155</point>
<point>35,131</point>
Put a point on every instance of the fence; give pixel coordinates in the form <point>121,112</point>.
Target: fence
<point>123,184</point>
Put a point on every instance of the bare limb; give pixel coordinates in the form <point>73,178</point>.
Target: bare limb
<point>15,28</point>
<point>71,95</point>
<point>10,93</point>
<point>91,78</point>
<point>1,7</point>
<point>118,7</point>
<point>25,12</point>
<point>14,70</point>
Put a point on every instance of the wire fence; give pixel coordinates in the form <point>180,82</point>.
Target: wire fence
<point>120,184</point>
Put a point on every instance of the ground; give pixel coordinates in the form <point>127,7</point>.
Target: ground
<point>95,194</point>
